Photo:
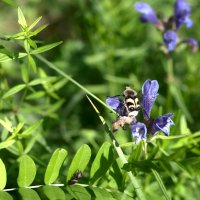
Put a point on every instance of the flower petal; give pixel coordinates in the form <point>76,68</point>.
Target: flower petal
<point>163,123</point>
<point>148,14</point>
<point>139,131</point>
<point>116,104</point>
<point>170,38</point>
<point>193,43</point>
<point>149,94</point>
<point>182,12</point>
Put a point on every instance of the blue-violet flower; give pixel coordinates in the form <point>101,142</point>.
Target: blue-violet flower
<point>170,38</point>
<point>147,12</point>
<point>182,12</point>
<point>163,123</point>
<point>192,43</point>
<point>138,131</point>
<point>116,104</point>
<point>149,94</point>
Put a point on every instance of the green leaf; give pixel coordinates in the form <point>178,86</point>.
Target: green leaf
<point>102,194</point>
<point>30,129</point>
<point>79,192</point>
<point>38,30</point>
<point>28,194</point>
<point>6,124</point>
<point>26,46</point>
<point>24,73</point>
<point>161,184</point>
<point>35,95</point>
<point>5,57</point>
<point>27,171</point>
<point>44,80</point>
<point>18,127</point>
<point>34,23</point>
<point>32,64</point>
<point>53,192</point>
<point>6,144</point>
<point>14,90</point>
<point>32,43</point>
<point>142,165</point>
<point>79,161</point>
<point>102,162</point>
<point>21,18</point>
<point>11,3</point>
<point>5,196</point>
<point>45,48</point>
<point>3,175</point>
<point>54,166</point>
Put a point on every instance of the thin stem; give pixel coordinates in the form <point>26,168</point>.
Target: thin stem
<point>59,71</point>
<point>170,80</point>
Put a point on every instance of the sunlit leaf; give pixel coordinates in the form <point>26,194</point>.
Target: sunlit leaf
<point>14,90</point>
<point>38,30</point>
<point>31,129</point>
<point>102,162</point>
<point>27,171</point>
<point>25,73</point>
<point>31,63</point>
<point>45,48</point>
<point>79,161</point>
<point>4,57</point>
<point>6,124</point>
<point>34,23</point>
<point>78,192</point>
<point>3,175</point>
<point>6,144</point>
<point>54,166</point>
<point>53,192</point>
<point>44,80</point>
<point>32,43</point>
<point>21,18</point>
<point>29,194</point>
<point>5,196</point>
<point>26,46</point>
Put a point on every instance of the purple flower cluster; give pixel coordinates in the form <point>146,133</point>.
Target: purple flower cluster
<point>139,130</point>
<point>181,16</point>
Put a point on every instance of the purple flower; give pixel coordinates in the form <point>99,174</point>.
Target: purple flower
<point>182,12</point>
<point>192,43</point>
<point>170,38</point>
<point>139,131</point>
<point>163,123</point>
<point>149,94</point>
<point>147,12</point>
<point>116,104</point>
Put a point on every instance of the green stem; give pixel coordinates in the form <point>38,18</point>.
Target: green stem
<point>59,71</point>
<point>161,184</point>
<point>170,80</point>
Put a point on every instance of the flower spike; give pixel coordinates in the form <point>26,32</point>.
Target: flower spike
<point>170,39</point>
<point>147,12</point>
<point>149,94</point>
<point>182,12</point>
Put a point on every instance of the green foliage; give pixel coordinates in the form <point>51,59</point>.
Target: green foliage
<point>79,161</point>
<point>27,171</point>
<point>3,175</point>
<point>54,165</point>
<point>49,131</point>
